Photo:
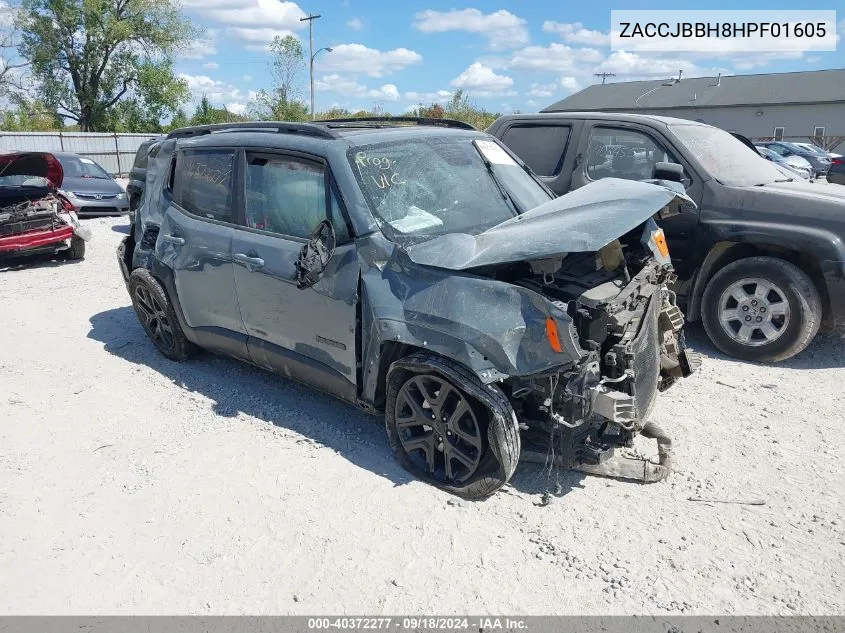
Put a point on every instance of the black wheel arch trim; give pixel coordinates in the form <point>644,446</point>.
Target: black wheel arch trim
<point>807,247</point>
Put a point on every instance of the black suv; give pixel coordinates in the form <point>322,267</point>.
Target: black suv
<point>415,268</point>
<point>761,261</point>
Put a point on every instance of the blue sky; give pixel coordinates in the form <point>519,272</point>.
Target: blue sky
<point>507,55</point>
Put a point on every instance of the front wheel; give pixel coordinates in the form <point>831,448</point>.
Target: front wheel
<point>761,309</point>
<point>449,429</point>
<point>76,250</point>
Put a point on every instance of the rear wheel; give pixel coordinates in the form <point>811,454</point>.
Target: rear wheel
<point>77,248</point>
<point>157,316</point>
<point>449,429</point>
<point>761,309</point>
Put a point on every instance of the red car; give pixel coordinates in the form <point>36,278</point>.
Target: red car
<point>35,219</point>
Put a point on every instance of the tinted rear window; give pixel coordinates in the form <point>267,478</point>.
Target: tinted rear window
<point>541,147</point>
<point>203,183</point>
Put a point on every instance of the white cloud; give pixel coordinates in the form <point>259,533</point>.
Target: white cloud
<point>503,29</point>
<point>441,96</point>
<point>256,39</point>
<point>747,61</point>
<point>247,78</point>
<point>542,90</point>
<point>483,81</point>
<point>570,84</point>
<point>554,57</point>
<point>575,33</point>
<point>531,103</point>
<point>350,88</point>
<point>357,58</point>
<point>202,47</point>
<point>237,108</point>
<point>253,21</point>
<point>356,24</point>
<point>211,65</point>
<point>217,91</point>
<point>262,13</point>
<point>630,65</point>
<point>813,60</point>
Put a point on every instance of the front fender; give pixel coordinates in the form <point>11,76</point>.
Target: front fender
<point>822,244</point>
<point>493,328</point>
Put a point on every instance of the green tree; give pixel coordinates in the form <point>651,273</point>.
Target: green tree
<point>333,113</point>
<point>461,108</point>
<point>29,116</point>
<point>283,102</point>
<point>179,120</point>
<point>88,55</point>
<point>207,114</point>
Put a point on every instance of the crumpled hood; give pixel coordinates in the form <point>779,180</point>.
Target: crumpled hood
<point>36,164</point>
<point>581,221</point>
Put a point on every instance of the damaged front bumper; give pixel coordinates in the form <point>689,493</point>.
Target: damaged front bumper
<point>601,404</point>
<point>38,227</point>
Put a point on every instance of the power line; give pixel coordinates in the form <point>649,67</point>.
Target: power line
<point>604,76</point>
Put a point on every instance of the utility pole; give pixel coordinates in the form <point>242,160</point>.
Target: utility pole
<point>310,19</point>
<point>604,76</point>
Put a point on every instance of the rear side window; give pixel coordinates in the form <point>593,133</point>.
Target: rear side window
<point>203,183</point>
<point>541,147</point>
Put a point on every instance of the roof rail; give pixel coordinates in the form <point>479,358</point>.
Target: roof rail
<point>351,121</point>
<point>279,127</point>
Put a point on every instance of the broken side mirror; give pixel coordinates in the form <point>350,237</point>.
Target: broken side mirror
<point>668,171</point>
<point>315,255</point>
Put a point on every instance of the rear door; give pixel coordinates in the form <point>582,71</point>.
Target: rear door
<point>306,334</point>
<point>611,149</point>
<point>195,242</point>
<point>546,146</point>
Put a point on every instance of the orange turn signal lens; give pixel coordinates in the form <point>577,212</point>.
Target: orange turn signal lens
<point>660,240</point>
<point>552,334</point>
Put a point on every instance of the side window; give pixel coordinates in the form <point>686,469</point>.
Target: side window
<point>203,183</point>
<point>541,147</point>
<point>287,196</point>
<point>621,153</point>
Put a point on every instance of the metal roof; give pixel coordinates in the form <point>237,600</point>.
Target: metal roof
<point>821,86</point>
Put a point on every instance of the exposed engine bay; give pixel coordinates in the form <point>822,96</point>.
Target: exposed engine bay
<point>627,322</point>
<point>34,216</point>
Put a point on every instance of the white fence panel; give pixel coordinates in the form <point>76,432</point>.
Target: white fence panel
<point>115,152</point>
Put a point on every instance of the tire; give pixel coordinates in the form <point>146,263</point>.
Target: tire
<point>76,250</point>
<point>496,428</point>
<point>157,316</point>
<point>790,313</point>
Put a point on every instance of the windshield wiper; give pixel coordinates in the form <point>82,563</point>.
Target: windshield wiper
<point>499,185</point>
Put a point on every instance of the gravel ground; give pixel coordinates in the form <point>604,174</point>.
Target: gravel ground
<point>132,484</point>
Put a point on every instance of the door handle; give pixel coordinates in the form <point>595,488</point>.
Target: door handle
<point>249,262</point>
<point>174,239</point>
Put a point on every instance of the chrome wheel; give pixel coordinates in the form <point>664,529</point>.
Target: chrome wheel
<point>754,311</point>
<point>154,317</point>
<point>438,428</point>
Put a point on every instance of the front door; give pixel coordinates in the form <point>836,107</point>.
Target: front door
<point>306,334</point>
<point>195,242</point>
<point>630,151</point>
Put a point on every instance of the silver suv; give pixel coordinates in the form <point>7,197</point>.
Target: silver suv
<point>416,268</point>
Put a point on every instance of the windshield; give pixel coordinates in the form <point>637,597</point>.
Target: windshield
<point>20,180</point>
<point>813,149</point>
<point>79,167</point>
<point>421,188</point>
<point>726,159</point>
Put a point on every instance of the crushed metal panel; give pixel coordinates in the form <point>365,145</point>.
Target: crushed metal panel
<point>581,221</point>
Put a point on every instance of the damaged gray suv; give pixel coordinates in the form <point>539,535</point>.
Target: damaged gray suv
<point>416,267</point>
